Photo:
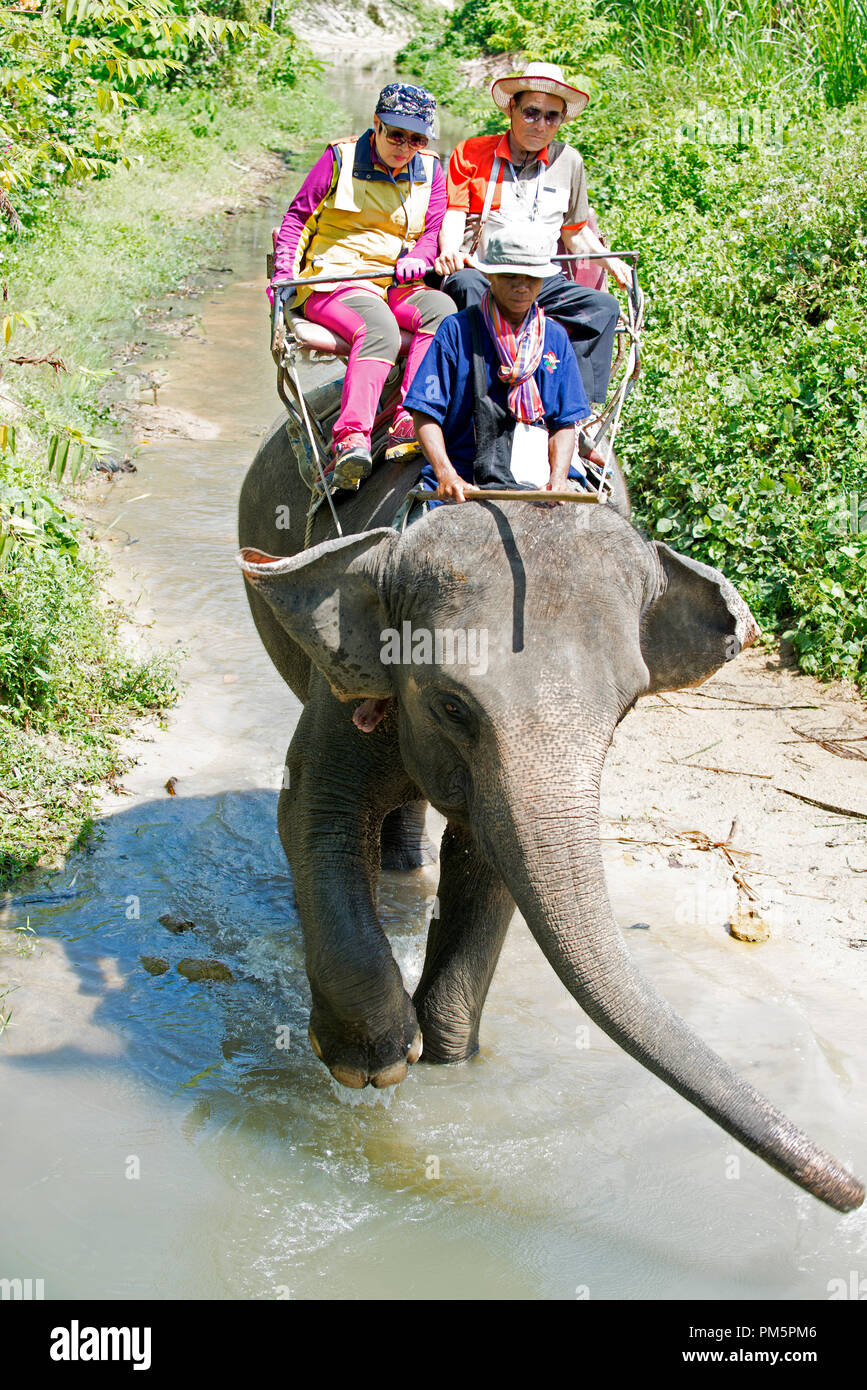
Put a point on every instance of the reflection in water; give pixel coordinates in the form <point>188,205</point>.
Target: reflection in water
<point>169,1138</point>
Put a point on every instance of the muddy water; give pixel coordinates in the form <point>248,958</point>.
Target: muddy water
<point>170,1138</point>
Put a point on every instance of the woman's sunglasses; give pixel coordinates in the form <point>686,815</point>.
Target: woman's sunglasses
<point>403,137</point>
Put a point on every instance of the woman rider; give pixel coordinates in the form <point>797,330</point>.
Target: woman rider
<point>374,203</point>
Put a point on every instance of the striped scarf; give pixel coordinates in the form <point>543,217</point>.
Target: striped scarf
<point>520,354</point>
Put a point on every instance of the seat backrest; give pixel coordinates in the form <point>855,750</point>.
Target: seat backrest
<point>588,273</point>
<point>315,337</point>
<point>269,258</point>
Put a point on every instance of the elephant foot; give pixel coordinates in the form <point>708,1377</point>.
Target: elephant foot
<point>357,1065</point>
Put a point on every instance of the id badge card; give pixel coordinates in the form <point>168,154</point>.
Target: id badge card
<point>529,459</point>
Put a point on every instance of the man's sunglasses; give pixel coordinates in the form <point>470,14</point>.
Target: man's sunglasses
<point>532,114</point>
<point>403,137</point>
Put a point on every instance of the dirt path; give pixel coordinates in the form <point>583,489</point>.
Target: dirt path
<point>344,32</point>
<point>727,764</point>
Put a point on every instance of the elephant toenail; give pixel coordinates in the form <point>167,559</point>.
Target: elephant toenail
<point>415,1048</point>
<point>389,1076</point>
<point>349,1076</point>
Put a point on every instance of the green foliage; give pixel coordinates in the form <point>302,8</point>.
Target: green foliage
<point>746,442</point>
<point>566,33</point>
<point>820,41</point>
<point>574,34</point>
<point>67,689</point>
<point>714,153</point>
<point>70,72</point>
<point>60,666</point>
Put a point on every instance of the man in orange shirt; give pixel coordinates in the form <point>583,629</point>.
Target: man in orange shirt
<point>525,175</point>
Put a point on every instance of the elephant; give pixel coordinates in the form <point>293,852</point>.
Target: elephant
<point>578,615</point>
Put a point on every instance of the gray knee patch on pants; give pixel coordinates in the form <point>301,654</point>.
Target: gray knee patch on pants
<point>433,306</point>
<point>382,336</point>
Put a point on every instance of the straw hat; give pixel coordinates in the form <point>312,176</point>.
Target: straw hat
<point>540,77</point>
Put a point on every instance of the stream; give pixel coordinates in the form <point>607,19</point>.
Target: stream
<point>169,1138</point>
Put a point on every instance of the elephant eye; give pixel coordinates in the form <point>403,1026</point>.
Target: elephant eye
<point>451,710</point>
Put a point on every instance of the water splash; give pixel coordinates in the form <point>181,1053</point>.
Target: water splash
<point>369,1096</point>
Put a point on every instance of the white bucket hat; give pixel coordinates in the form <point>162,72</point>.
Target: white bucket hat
<point>540,77</point>
<point>517,251</point>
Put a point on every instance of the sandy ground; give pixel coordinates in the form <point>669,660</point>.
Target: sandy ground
<point>724,779</point>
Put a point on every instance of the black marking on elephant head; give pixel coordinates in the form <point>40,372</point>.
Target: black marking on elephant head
<point>519,575</point>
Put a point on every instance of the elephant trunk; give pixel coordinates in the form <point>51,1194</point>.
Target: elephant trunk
<point>549,855</point>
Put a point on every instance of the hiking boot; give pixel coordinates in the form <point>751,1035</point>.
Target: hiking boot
<point>402,441</point>
<point>352,462</point>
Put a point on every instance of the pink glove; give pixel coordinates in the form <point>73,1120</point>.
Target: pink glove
<point>410,268</point>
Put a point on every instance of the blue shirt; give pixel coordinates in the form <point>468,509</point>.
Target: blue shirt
<point>443,386</point>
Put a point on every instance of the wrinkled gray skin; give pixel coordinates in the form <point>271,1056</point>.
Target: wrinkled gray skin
<point>583,616</point>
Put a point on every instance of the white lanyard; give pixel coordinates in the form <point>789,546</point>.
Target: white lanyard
<point>491,189</point>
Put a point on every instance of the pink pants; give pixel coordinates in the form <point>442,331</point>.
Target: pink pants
<point>371,326</point>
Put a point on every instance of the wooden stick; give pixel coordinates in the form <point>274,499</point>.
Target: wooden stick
<point>730,771</point>
<point>494,494</point>
<point>823,805</point>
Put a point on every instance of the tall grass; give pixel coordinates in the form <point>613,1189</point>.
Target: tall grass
<point>838,36</point>
<point>823,40</point>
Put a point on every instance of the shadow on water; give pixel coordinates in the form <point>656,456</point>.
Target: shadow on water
<point>533,1171</point>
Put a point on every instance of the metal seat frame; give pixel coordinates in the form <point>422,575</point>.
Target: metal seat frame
<point>288,334</point>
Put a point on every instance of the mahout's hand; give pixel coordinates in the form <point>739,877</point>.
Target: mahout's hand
<point>452,487</point>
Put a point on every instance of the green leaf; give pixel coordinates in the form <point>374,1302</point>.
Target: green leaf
<point>60,463</point>
<point>76,463</point>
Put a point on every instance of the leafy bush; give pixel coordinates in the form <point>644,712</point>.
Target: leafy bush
<point>574,34</point>
<point>60,665</point>
<point>746,441</point>
<point>82,90</point>
<point>72,71</point>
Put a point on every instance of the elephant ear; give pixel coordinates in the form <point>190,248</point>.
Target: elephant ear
<point>697,623</point>
<point>329,601</point>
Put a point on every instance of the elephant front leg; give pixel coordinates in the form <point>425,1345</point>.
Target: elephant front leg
<point>362,1022</point>
<point>463,947</point>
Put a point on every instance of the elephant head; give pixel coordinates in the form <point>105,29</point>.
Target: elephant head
<point>514,638</point>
